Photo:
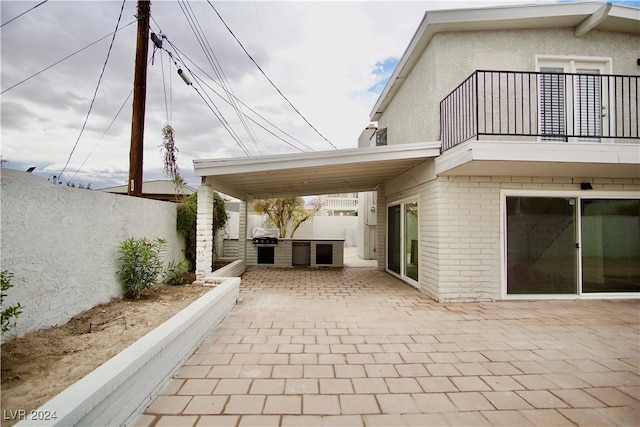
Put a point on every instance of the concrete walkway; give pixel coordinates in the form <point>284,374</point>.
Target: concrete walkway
<point>355,346</point>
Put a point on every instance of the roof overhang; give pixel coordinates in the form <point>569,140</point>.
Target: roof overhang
<point>583,17</point>
<point>323,172</point>
<point>541,159</point>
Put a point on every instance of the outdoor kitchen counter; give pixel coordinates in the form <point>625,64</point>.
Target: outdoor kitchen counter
<point>320,252</point>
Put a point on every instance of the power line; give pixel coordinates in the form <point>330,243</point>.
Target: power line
<point>264,47</point>
<point>178,51</point>
<point>95,93</point>
<point>267,77</point>
<point>124,103</point>
<point>65,58</point>
<point>216,112</point>
<point>179,55</point>
<point>103,134</point>
<point>245,105</point>
<point>164,88</point>
<point>202,82</point>
<point>225,124</point>
<point>216,65</point>
<point>24,13</point>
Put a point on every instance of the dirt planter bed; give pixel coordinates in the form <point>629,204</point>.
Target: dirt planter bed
<point>118,391</point>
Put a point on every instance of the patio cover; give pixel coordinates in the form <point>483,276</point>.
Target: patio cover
<point>320,172</point>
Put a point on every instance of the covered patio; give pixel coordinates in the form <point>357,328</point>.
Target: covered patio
<point>315,173</point>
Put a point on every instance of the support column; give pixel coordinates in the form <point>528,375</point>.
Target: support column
<point>242,235</point>
<point>204,232</point>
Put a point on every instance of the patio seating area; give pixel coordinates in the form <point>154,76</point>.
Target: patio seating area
<point>356,347</point>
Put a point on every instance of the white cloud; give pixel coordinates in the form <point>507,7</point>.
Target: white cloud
<point>322,55</point>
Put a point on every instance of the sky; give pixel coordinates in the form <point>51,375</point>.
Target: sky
<point>329,59</point>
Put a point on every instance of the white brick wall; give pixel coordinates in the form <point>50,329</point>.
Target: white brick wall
<point>204,232</point>
<point>467,239</point>
<point>460,257</point>
<point>283,255</point>
<point>429,256</point>
<point>243,232</point>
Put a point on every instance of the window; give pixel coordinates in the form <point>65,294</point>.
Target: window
<point>381,137</point>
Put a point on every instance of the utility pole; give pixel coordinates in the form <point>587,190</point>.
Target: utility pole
<point>139,99</point>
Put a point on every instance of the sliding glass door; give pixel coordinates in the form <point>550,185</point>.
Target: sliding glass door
<point>553,248</point>
<point>541,245</point>
<point>402,239</point>
<point>610,245</point>
<point>394,240</point>
<point>411,240</point>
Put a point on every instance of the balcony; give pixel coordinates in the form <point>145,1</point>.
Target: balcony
<point>340,205</point>
<point>536,106</point>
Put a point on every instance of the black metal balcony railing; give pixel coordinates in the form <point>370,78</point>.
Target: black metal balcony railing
<point>540,105</point>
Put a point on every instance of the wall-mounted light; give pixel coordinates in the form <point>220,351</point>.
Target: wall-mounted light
<point>586,186</point>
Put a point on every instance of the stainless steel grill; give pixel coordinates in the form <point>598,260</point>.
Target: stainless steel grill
<point>265,236</point>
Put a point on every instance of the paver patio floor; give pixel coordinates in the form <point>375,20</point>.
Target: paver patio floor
<point>356,346</point>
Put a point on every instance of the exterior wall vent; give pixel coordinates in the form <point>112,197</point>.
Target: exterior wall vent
<point>381,137</point>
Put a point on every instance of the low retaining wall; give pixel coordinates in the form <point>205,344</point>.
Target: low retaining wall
<point>121,388</point>
<point>233,269</point>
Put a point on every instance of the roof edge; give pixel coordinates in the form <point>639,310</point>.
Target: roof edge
<point>504,16</point>
<point>205,167</point>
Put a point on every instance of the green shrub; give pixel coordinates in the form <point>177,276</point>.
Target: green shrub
<point>141,265</point>
<point>174,272</point>
<point>11,312</point>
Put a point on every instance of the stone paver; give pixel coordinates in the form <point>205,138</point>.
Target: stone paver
<point>357,347</point>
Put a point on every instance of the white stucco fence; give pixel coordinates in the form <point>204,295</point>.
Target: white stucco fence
<point>320,226</point>
<point>61,244</point>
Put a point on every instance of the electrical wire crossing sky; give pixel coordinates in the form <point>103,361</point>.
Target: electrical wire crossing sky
<point>266,78</point>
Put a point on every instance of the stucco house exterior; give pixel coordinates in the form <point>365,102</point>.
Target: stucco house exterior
<point>507,156</point>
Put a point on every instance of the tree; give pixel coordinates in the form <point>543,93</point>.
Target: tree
<point>287,213</point>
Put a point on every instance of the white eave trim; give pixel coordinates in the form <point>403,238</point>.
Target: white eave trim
<point>504,151</point>
<point>402,67</point>
<point>213,167</point>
